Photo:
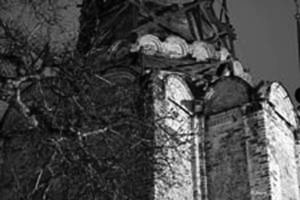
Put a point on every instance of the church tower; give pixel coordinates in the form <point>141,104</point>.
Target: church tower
<point>214,134</point>
<point>241,145</point>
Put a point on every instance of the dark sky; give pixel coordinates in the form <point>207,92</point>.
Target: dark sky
<point>267,42</point>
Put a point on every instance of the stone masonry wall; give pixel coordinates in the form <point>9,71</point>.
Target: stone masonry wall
<point>226,161</point>
<point>298,162</point>
<point>256,152</point>
<point>176,175</point>
<point>250,154</point>
<point>282,156</point>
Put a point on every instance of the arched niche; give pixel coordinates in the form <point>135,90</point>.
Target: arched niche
<point>226,93</point>
<point>276,94</point>
<point>174,107</point>
<point>175,138</point>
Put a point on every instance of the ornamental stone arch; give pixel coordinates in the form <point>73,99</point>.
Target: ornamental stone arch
<point>277,95</point>
<point>176,174</point>
<point>226,93</point>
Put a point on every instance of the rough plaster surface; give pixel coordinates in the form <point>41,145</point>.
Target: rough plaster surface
<point>175,141</point>
<point>280,145</point>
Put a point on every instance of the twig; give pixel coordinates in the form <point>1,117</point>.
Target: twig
<point>104,79</point>
<point>24,109</point>
<point>37,183</point>
<point>91,133</point>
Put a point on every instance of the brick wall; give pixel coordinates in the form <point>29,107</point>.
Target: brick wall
<point>226,161</point>
<point>256,152</point>
<point>250,149</point>
<point>250,154</point>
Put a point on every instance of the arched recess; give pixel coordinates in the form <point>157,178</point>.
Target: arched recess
<point>277,95</point>
<point>280,123</point>
<point>223,139</point>
<point>226,93</point>
<point>175,138</point>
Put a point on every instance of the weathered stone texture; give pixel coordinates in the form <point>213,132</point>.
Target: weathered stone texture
<point>256,152</point>
<point>297,148</point>
<point>227,176</point>
<point>250,154</point>
<point>175,140</point>
<point>281,157</point>
<point>282,104</point>
<point>227,93</point>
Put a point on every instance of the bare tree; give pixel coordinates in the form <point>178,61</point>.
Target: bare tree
<point>73,130</point>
